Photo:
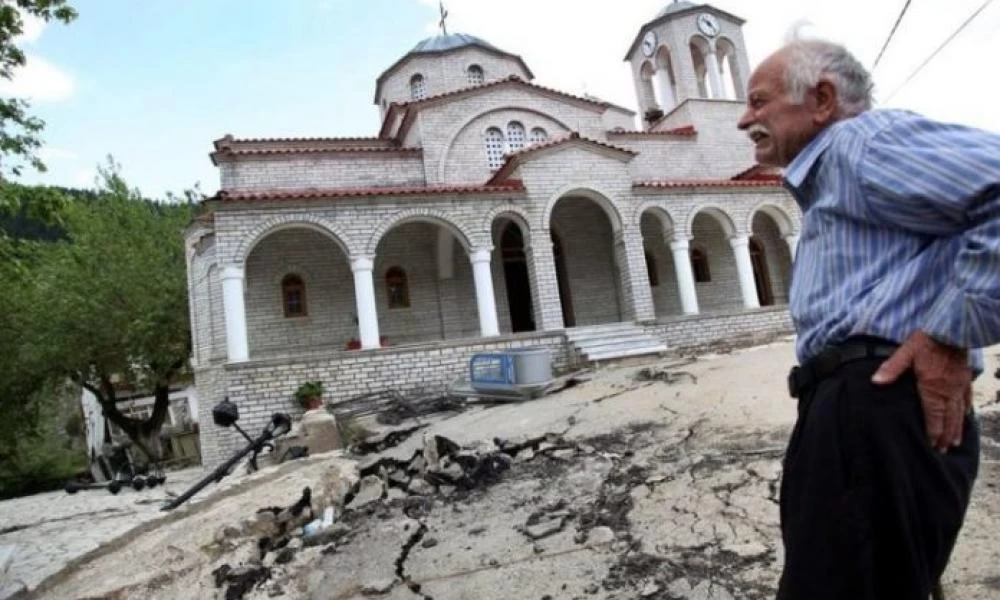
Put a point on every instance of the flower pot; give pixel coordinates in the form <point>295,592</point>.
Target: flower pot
<point>312,403</point>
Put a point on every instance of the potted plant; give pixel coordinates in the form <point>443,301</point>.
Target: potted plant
<point>310,395</point>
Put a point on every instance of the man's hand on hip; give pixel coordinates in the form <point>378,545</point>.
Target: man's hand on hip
<point>944,381</point>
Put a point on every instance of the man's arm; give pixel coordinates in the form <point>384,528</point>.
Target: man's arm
<point>944,180</point>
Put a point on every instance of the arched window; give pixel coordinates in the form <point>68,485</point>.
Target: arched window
<point>515,136</point>
<point>397,288</point>
<point>537,136</point>
<point>293,295</point>
<point>654,276</point>
<point>494,147</point>
<point>418,87</point>
<point>699,264</point>
<point>475,74</point>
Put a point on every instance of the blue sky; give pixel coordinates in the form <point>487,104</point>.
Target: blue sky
<point>153,82</point>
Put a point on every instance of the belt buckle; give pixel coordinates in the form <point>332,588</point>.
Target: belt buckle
<point>793,387</point>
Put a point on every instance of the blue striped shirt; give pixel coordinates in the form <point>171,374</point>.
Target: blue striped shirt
<point>900,232</point>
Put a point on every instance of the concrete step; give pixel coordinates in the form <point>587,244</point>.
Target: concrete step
<point>599,337</point>
<point>626,353</point>
<point>613,340</point>
<point>611,346</point>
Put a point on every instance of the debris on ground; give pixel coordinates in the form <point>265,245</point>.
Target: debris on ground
<point>391,407</point>
<point>664,375</point>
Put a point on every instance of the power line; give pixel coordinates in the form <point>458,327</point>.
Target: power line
<point>939,49</point>
<point>891,33</point>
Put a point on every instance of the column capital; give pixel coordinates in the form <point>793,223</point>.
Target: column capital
<point>362,262</point>
<point>482,254</point>
<point>679,244</point>
<point>232,272</point>
<point>739,241</point>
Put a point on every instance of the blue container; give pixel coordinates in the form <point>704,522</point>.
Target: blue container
<point>492,369</point>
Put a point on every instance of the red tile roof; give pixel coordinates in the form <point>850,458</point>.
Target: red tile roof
<point>509,186</point>
<point>706,183</point>
<point>686,131</point>
<point>226,151</point>
<point>395,107</point>
<point>229,140</point>
<point>759,173</point>
<point>514,159</point>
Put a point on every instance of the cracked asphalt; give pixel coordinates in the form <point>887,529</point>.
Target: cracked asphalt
<point>623,487</point>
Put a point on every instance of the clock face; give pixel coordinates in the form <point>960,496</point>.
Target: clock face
<point>649,43</point>
<point>708,25</point>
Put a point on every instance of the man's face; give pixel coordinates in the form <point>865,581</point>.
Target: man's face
<point>778,128</point>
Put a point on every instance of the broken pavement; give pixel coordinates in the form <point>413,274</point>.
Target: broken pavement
<point>662,486</point>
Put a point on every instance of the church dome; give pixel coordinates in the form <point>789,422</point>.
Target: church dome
<point>675,7</point>
<point>451,41</point>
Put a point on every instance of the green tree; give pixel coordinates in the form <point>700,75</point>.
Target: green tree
<point>19,130</point>
<point>109,302</point>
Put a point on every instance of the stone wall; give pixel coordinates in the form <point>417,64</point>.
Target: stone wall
<point>323,170</point>
<point>260,388</point>
<point>741,325</point>
<point>446,72</point>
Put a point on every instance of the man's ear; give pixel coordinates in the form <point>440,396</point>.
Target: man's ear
<point>827,105</point>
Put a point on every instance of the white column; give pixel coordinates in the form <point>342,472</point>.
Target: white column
<point>364,297</point>
<point>485,300</point>
<point>792,239</point>
<point>714,76</point>
<point>234,305</point>
<point>664,89</point>
<point>744,266</point>
<point>685,277</point>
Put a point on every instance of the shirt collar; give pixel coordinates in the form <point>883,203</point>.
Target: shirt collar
<point>797,170</point>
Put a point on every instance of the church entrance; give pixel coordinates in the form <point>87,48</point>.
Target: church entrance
<point>569,320</point>
<point>515,272</point>
<point>761,277</point>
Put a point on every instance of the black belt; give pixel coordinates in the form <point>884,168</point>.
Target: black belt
<point>832,358</point>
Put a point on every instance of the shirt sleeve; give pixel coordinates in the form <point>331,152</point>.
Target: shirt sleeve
<point>939,180</point>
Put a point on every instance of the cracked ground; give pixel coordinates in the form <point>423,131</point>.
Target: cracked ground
<point>624,487</point>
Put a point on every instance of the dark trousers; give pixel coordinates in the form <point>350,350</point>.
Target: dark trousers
<point>868,509</point>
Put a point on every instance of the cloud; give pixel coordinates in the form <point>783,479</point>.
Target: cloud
<point>84,178</point>
<point>31,29</point>
<point>50,153</point>
<point>39,80</point>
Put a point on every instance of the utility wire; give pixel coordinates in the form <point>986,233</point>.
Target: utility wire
<point>891,33</point>
<point>939,49</point>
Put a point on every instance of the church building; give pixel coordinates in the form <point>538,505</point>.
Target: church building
<point>490,212</point>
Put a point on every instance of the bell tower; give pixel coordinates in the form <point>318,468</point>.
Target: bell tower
<point>687,51</point>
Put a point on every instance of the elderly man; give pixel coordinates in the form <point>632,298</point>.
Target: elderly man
<point>896,285</point>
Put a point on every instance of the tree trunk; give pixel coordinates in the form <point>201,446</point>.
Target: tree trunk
<point>143,433</point>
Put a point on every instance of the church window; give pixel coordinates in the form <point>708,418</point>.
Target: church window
<point>515,136</point>
<point>537,136</point>
<point>476,76</point>
<point>699,264</point>
<point>397,288</point>
<point>293,295</point>
<point>654,277</point>
<point>494,147</point>
<point>418,87</point>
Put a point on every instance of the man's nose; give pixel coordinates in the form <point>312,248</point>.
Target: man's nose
<point>745,121</point>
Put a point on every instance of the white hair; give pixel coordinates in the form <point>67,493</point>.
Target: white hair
<point>808,61</point>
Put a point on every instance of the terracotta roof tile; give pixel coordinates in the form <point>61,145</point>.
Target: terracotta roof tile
<point>706,183</point>
<point>758,173</point>
<point>509,186</point>
<point>513,159</point>
<point>395,107</point>
<point>511,79</point>
<point>227,151</point>
<point>686,131</point>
